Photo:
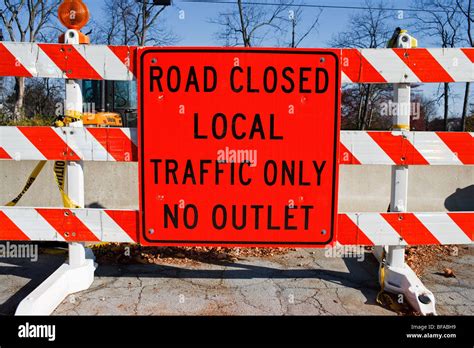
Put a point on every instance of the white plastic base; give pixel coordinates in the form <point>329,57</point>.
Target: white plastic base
<point>403,280</point>
<point>71,277</point>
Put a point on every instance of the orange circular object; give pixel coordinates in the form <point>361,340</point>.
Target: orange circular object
<point>73,14</point>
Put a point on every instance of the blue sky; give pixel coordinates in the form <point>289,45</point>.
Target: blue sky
<point>196,31</point>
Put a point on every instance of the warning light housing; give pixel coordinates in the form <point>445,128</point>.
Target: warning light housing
<point>73,14</point>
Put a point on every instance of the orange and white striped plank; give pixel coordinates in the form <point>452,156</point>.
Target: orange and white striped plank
<point>71,225</point>
<point>92,225</point>
<point>385,65</point>
<point>50,143</point>
<point>95,62</point>
<point>407,148</point>
<point>405,228</point>
<point>120,144</point>
<point>413,65</point>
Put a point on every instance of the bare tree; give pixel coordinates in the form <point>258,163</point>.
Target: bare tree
<point>24,20</point>
<point>132,22</point>
<point>367,29</point>
<point>298,33</point>
<point>465,6</point>
<point>470,122</point>
<point>42,98</point>
<point>425,112</point>
<point>379,115</point>
<point>251,24</point>
<point>440,19</point>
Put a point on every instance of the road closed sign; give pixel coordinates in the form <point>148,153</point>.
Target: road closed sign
<point>238,147</point>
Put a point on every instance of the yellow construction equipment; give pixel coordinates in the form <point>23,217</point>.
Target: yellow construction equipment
<point>102,119</point>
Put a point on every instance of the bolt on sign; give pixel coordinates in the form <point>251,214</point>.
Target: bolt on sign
<point>238,147</point>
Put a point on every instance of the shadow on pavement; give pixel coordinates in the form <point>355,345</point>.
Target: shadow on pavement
<point>360,275</point>
<point>36,272</point>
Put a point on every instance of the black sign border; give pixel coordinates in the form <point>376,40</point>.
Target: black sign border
<point>143,54</point>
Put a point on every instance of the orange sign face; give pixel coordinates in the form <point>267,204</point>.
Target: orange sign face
<point>238,147</point>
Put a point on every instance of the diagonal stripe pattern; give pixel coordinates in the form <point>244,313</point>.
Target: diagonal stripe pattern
<point>122,226</point>
<point>119,63</point>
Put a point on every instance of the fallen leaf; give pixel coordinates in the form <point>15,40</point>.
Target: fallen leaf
<point>448,273</point>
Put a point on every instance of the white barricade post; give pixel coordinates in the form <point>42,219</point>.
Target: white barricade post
<point>78,273</point>
<point>398,277</point>
<point>398,148</point>
<point>78,255</point>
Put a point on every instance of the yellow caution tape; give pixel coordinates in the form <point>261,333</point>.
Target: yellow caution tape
<point>381,279</point>
<point>401,126</point>
<point>383,298</point>
<point>59,168</point>
<point>31,179</point>
<point>100,244</point>
<point>59,123</point>
<point>52,251</point>
<point>72,116</point>
<point>59,174</point>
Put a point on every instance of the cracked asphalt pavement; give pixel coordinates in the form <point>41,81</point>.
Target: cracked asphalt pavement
<point>301,282</point>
